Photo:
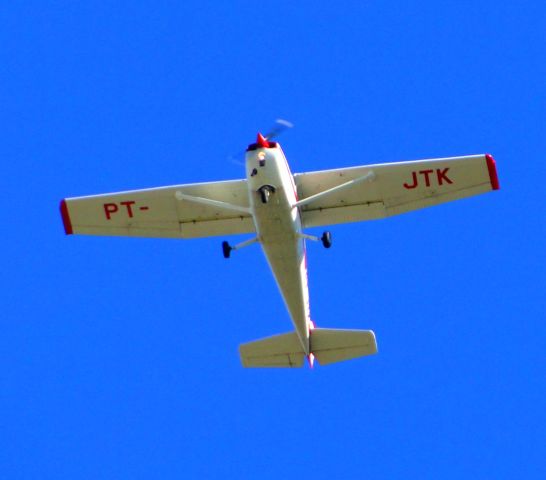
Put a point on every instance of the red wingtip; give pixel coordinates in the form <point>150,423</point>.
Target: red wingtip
<point>492,168</point>
<point>66,218</point>
<point>262,141</point>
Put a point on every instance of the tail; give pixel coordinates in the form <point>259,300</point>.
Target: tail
<point>328,345</point>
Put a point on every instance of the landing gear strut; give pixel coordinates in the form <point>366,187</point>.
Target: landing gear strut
<point>326,238</point>
<point>227,248</point>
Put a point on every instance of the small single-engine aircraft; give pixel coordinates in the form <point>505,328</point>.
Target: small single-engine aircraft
<point>276,206</point>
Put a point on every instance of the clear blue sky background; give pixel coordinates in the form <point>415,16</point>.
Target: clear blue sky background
<point>119,356</point>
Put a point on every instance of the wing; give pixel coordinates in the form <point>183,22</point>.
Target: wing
<point>379,191</point>
<point>157,212</point>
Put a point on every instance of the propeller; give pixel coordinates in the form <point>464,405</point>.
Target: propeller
<point>279,127</point>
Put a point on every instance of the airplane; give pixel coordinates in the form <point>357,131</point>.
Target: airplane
<point>276,207</point>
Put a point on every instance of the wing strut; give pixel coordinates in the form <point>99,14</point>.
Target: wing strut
<point>213,203</point>
<point>370,176</point>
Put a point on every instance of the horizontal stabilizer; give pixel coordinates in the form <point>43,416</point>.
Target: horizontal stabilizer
<point>328,345</point>
<point>334,345</point>
<point>282,350</point>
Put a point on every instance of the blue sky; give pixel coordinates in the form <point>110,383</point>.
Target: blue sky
<point>120,355</point>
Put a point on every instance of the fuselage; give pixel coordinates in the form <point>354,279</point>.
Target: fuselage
<point>278,227</point>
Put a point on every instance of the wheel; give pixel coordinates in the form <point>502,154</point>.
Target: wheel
<point>326,239</point>
<point>264,194</point>
<point>226,249</point>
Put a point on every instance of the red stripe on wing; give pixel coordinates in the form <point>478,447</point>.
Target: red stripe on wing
<point>492,168</point>
<point>66,218</point>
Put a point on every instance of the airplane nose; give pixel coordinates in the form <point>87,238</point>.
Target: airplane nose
<point>261,142</point>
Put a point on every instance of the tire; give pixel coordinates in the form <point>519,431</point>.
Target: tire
<point>226,249</point>
<point>326,239</point>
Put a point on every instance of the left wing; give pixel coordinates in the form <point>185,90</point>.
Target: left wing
<point>157,212</point>
<point>376,191</point>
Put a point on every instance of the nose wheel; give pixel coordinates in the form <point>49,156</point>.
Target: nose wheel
<point>264,195</point>
<point>265,192</point>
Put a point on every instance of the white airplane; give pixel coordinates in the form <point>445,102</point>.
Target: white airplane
<point>276,206</point>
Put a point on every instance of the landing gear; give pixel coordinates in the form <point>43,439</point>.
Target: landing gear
<point>264,195</point>
<point>226,249</point>
<point>326,239</point>
<point>265,192</point>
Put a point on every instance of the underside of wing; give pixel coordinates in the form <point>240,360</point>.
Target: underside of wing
<point>392,188</point>
<point>161,212</point>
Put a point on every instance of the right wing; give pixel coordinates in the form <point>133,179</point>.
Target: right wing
<point>395,188</point>
<point>156,212</point>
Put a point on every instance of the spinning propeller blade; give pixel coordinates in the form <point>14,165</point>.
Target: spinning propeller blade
<point>280,126</point>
